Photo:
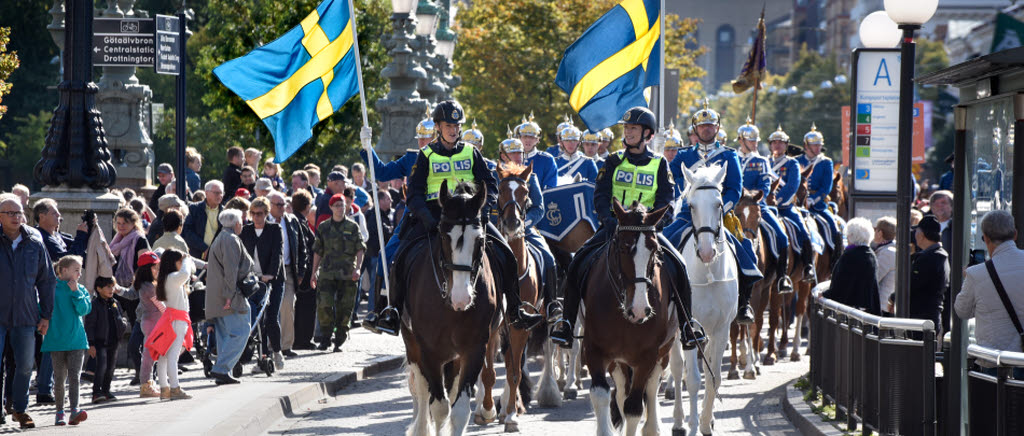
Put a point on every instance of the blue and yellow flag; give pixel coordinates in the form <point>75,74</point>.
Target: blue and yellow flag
<point>607,69</point>
<point>301,78</point>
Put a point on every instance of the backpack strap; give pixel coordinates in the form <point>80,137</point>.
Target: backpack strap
<point>1005,299</point>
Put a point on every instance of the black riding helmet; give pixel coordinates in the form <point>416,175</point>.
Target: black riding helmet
<point>642,116</point>
<point>449,111</point>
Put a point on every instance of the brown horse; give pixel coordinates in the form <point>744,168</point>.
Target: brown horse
<point>630,321</point>
<point>839,194</point>
<point>451,312</point>
<point>748,210</point>
<point>513,202</point>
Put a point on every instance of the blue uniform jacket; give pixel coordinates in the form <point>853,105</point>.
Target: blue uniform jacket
<point>543,166</point>
<point>731,186</point>
<point>946,182</point>
<point>395,169</point>
<point>536,211</point>
<point>788,170</point>
<point>819,184</point>
<point>757,174</point>
<point>603,188</point>
<point>582,165</point>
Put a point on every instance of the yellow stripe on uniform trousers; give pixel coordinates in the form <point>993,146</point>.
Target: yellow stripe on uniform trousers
<point>607,69</point>
<point>299,79</point>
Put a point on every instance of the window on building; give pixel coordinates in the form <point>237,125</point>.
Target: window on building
<point>725,54</point>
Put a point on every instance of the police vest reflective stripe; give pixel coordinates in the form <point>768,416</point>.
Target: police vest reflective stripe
<point>458,168</point>
<point>631,183</point>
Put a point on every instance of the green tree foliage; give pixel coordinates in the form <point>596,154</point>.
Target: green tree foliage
<point>508,55</point>
<point>8,63</point>
<point>21,147</point>
<point>27,21</point>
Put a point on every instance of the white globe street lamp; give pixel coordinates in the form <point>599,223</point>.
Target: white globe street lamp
<point>877,30</point>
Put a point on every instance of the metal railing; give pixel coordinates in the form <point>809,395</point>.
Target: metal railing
<point>879,372</point>
<point>995,402</point>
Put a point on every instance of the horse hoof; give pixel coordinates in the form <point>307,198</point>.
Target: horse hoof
<point>769,360</point>
<point>670,393</point>
<point>734,375</point>
<point>749,375</point>
<point>678,432</point>
<point>570,394</point>
<point>511,427</point>
<point>480,420</point>
<point>795,357</point>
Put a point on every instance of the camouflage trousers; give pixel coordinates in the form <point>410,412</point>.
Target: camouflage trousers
<point>334,302</point>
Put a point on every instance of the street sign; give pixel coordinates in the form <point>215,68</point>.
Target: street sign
<point>168,45</point>
<point>123,42</point>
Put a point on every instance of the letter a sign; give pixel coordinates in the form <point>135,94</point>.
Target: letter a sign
<point>876,96</point>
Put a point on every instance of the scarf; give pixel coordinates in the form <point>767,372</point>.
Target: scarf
<point>123,246</point>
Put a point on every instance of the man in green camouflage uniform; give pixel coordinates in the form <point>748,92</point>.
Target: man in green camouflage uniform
<point>337,252</point>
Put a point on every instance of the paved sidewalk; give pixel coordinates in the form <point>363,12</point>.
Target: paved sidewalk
<point>247,408</point>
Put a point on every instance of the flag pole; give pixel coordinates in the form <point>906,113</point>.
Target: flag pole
<point>757,84</point>
<point>366,123</point>
<point>661,66</point>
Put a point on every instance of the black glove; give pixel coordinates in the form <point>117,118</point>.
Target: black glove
<point>609,222</point>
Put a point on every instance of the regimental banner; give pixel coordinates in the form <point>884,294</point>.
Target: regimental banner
<point>874,120</point>
<point>565,207</point>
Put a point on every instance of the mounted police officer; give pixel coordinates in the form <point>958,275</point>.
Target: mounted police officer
<point>758,176</point>
<point>511,151</point>
<point>819,186</point>
<point>639,130</point>
<point>424,188</point>
<point>788,171</point>
<point>543,163</point>
<point>589,142</point>
<point>710,151</point>
<point>571,161</point>
<point>385,172</point>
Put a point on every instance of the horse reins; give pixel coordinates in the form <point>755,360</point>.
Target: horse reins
<point>520,231</point>
<point>473,269</point>
<point>616,280</point>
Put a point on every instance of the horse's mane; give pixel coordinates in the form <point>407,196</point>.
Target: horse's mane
<point>702,177</point>
<point>511,169</point>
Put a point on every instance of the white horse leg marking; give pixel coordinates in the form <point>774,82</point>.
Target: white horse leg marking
<point>547,390</point>
<point>676,364</point>
<point>601,399</point>
<point>421,399</point>
<point>693,385</point>
<point>460,413</point>
<point>651,395</point>
<point>621,391</point>
<point>752,355</point>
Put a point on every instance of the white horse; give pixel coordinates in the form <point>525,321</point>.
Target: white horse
<point>711,268</point>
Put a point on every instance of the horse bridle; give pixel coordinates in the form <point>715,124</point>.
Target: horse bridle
<point>473,269</point>
<point>519,232</point>
<point>716,232</point>
<point>616,279</point>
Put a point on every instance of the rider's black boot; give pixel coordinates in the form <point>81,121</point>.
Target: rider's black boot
<point>552,305</point>
<point>785,285</point>
<point>807,257</point>
<point>390,319</point>
<point>561,333</point>
<point>516,312</point>
<point>745,315</point>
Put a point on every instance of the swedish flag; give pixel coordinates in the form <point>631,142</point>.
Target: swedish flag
<point>607,69</point>
<point>301,78</point>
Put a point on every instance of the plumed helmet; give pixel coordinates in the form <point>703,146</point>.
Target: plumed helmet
<point>642,116</point>
<point>473,136</point>
<point>512,145</point>
<point>589,136</point>
<point>528,127</point>
<point>425,129</point>
<point>607,135</point>
<point>673,141</point>
<point>570,133</point>
<point>566,122</point>
<point>749,131</point>
<point>449,111</point>
<point>722,137</point>
<point>705,116</point>
<point>778,135</point>
<point>689,130</point>
<point>814,137</point>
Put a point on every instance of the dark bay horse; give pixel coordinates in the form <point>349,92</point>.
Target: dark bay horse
<point>748,210</point>
<point>839,194</point>
<point>630,321</point>
<point>451,312</point>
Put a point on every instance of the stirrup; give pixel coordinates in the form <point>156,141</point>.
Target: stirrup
<point>810,275</point>
<point>389,320</point>
<point>784,285</point>
<point>523,320</point>
<point>554,310</point>
<point>693,335</point>
<point>745,320</point>
<point>559,340</point>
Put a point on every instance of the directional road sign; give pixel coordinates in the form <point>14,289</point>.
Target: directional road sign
<point>123,42</point>
<point>168,45</point>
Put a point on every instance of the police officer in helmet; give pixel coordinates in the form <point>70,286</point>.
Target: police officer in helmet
<point>638,132</point>
<point>424,187</point>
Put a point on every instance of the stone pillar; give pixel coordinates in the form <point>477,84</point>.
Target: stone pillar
<point>402,108</point>
<point>431,88</point>
<point>124,104</point>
